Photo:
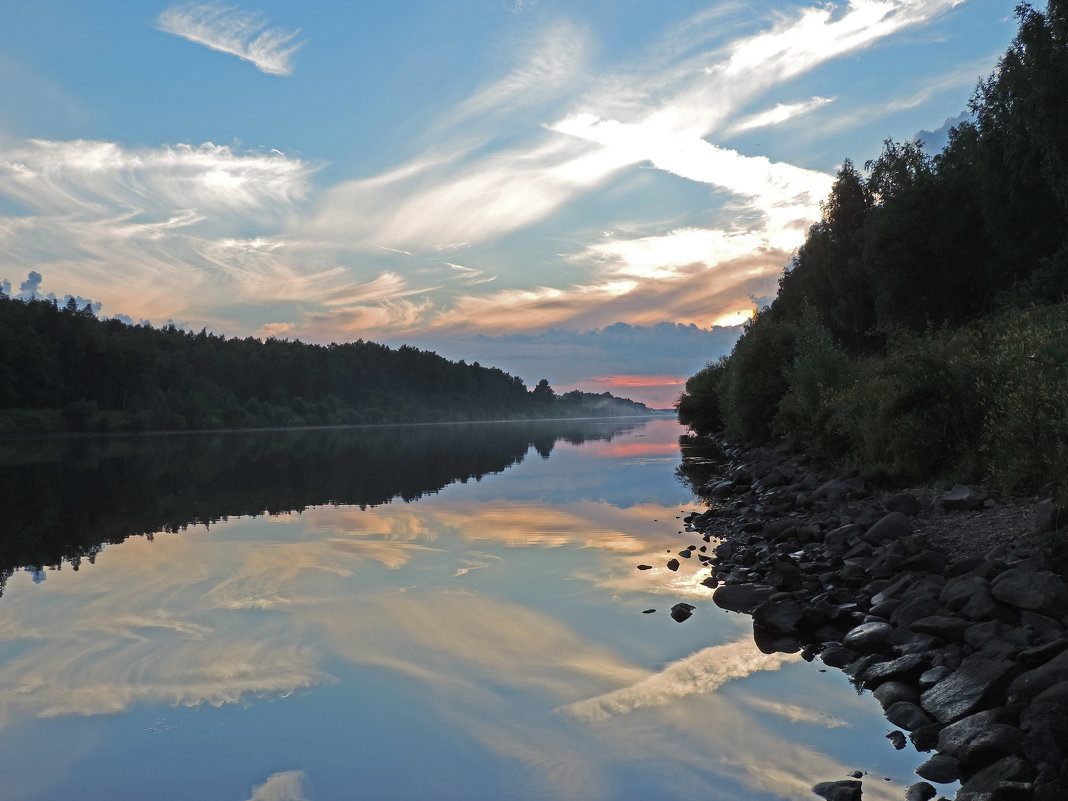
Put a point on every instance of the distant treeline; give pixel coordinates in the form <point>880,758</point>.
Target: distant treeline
<point>62,369</point>
<point>922,328</point>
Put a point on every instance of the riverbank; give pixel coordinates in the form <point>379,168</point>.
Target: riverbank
<point>944,604</point>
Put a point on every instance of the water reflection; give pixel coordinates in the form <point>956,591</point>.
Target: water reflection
<point>485,642</point>
<point>64,498</point>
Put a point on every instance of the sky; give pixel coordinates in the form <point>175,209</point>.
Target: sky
<point>597,193</point>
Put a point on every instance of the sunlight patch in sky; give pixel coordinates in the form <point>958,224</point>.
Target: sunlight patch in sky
<point>538,167</point>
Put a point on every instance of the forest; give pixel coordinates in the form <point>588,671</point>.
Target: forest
<point>921,330</point>
<point>63,370</point>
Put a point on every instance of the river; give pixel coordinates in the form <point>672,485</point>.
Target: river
<point>410,612</point>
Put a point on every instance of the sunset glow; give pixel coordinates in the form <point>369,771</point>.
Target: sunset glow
<point>545,170</point>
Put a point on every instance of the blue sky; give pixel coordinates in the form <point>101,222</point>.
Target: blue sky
<point>590,192</point>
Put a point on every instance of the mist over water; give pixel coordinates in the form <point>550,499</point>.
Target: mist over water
<point>447,612</point>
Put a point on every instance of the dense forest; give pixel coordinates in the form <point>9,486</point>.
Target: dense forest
<point>921,330</point>
<point>62,369</point>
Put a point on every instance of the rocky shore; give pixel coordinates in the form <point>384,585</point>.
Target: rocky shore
<point>940,603</point>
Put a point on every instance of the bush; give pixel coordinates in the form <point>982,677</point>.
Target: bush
<point>1025,397</point>
<point>699,406</point>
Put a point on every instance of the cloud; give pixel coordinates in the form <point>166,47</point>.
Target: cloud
<point>702,672</point>
<point>244,34</point>
<point>782,112</point>
<point>285,786</point>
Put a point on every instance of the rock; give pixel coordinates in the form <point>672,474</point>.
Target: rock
<point>868,637</point>
<point>648,611</point>
<point>897,739</point>
<point>904,503</point>
<point>645,567</point>
<point>955,738</point>
<point>673,564</point>
<point>722,490</point>
<point>981,606</point>
<point>844,790</point>
<point>997,741</point>
<point>838,656</point>
<point>1040,654</point>
<point>946,628</point>
<point>920,791</point>
<point>1009,769</point>
<point>891,692</point>
<point>929,678</point>
<point>1045,628</point>
<point>907,716</point>
<point>959,590</point>
<point>741,597</point>
<point>779,616</point>
<point>940,768</point>
<point>962,498</point>
<point>1029,684</point>
<point>1049,517</point>
<point>964,691</point>
<point>996,639</point>
<point>1038,591</point>
<point>892,526</point>
<point>925,738</point>
<point>904,668</point>
<point>682,611</point>
<point>915,609</point>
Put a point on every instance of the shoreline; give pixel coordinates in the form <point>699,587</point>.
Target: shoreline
<point>939,602</point>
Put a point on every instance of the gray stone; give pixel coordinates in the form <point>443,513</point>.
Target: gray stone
<point>905,503</point>
<point>996,639</point>
<point>907,716</point>
<point>897,739</point>
<point>838,656</point>
<point>929,678</point>
<point>996,741</point>
<point>779,616</point>
<point>981,606</point>
<point>915,609</point>
<point>1039,591</point>
<point>741,597</point>
<point>722,490</point>
<point>1044,627</point>
<point>1029,684</point>
<point>940,768</point>
<point>892,526</point>
<point>906,667</point>
<point>868,637</point>
<point>673,564</point>
<point>920,791</point>
<point>964,691</point>
<point>955,738</point>
<point>1009,769</point>
<point>891,692</point>
<point>1040,654</point>
<point>947,628</point>
<point>1046,725</point>
<point>959,590</point>
<point>962,497</point>
<point>844,790</point>
<point>682,611</point>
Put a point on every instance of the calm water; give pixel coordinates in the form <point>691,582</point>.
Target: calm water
<point>430,612</point>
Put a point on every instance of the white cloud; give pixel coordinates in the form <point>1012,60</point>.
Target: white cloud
<point>702,672</point>
<point>782,112</point>
<point>285,786</point>
<point>244,34</point>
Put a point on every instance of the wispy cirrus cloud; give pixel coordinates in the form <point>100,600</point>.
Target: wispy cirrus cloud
<point>245,34</point>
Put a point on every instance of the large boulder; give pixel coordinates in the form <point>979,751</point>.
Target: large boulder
<point>742,598</point>
<point>967,689</point>
<point>1034,590</point>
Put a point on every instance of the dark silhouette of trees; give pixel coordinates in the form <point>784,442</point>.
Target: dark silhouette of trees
<point>64,370</point>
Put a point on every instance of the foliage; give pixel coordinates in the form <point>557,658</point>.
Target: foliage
<point>698,407</point>
<point>919,330</point>
<point>63,369</point>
